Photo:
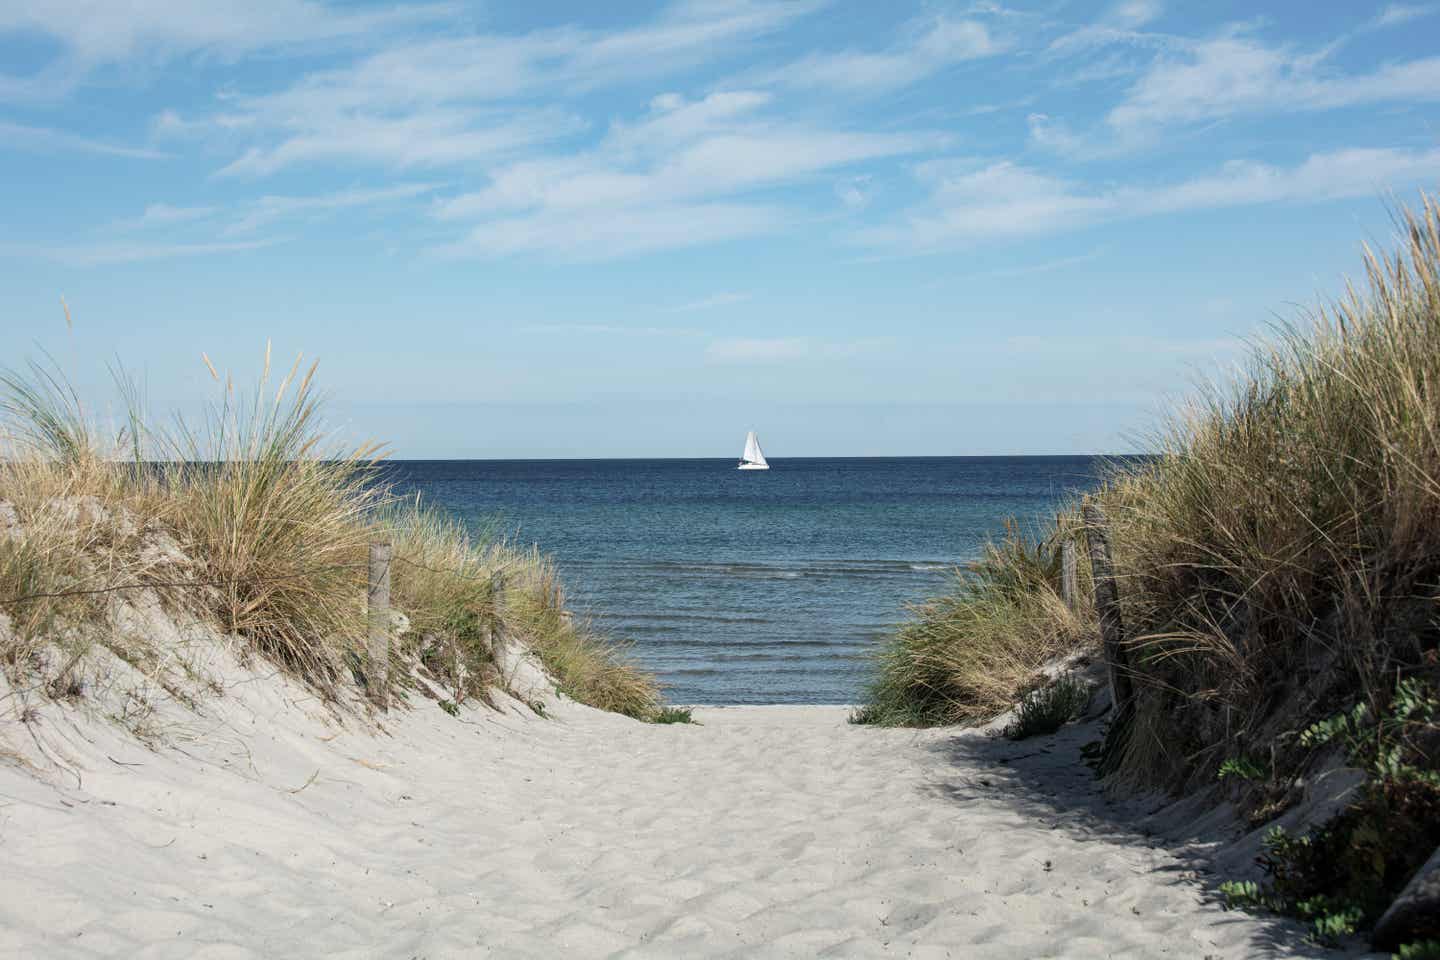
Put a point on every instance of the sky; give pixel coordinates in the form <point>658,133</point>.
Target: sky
<point>555,229</point>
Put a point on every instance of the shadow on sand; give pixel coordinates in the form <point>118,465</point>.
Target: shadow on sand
<point>1046,778</point>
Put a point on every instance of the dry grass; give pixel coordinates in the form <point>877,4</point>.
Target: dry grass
<point>1282,557</point>
<point>274,521</point>
<point>968,655</point>
<point>1278,560</point>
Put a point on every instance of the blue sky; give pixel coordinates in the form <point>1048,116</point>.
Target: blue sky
<point>636,229</point>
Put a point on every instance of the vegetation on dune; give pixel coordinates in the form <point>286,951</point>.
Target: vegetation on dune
<point>1048,708</point>
<point>1278,558</point>
<point>252,519</point>
<point>967,656</point>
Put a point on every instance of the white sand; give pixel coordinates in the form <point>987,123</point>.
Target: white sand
<point>264,829</point>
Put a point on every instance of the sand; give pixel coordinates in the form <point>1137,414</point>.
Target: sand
<point>262,826</point>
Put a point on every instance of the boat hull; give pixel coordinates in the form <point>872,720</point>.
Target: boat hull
<point>753,466</point>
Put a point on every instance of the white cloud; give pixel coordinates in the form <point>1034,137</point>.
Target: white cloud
<point>670,179</point>
<point>1135,13</point>
<point>854,191</point>
<point>1005,200</point>
<point>45,140</point>
<point>164,215</point>
<point>602,234</point>
<point>440,101</point>
<point>926,48</point>
<point>90,255</point>
<point>711,302</point>
<point>1235,75</point>
<point>90,34</point>
<point>270,208</point>
<point>432,138</point>
<point>1395,14</point>
<point>758,350</point>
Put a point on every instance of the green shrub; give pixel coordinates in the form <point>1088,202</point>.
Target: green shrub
<point>672,715</point>
<point>1049,708</point>
<point>1343,874</point>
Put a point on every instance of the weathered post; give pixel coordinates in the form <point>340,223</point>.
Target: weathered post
<point>1069,582</point>
<point>497,598</point>
<point>378,604</point>
<point>1107,606</point>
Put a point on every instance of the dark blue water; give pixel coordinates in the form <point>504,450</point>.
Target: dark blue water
<point>751,587</point>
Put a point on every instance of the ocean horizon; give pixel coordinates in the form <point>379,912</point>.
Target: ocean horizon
<point>751,587</point>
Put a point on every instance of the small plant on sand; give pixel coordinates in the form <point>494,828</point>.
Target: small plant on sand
<point>672,715</point>
<point>1049,708</point>
<point>1242,767</point>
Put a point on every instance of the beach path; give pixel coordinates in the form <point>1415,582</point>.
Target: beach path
<point>265,830</point>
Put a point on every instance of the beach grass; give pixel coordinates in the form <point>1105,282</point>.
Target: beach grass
<point>252,517</point>
<point>967,655</point>
<point>1276,557</point>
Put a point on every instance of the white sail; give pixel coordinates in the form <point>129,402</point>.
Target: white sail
<point>753,458</point>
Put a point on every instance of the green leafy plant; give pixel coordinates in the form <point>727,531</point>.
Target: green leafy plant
<point>1242,767</point>
<point>1049,708</point>
<point>1342,875</point>
<point>672,715</point>
<point>450,707</point>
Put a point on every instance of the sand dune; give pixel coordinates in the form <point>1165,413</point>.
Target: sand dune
<point>264,827</point>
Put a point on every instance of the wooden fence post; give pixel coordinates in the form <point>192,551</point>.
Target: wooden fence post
<point>1069,582</point>
<point>497,597</point>
<point>1107,606</point>
<point>378,604</point>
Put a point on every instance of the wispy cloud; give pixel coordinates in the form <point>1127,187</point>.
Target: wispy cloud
<point>1236,75</point>
<point>606,329</point>
<point>1022,270</point>
<point>1004,199</point>
<point>438,101</point>
<point>270,208</point>
<point>679,176</point>
<point>1396,14</point>
<point>45,140</point>
<point>711,302</point>
<point>924,48</point>
<point>165,215</point>
<point>91,35</point>
<point>757,350</point>
<point>91,255</point>
<point>768,350</point>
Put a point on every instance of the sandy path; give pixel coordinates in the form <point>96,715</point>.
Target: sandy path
<point>763,832</point>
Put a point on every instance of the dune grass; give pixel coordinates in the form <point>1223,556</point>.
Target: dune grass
<point>966,656</point>
<point>271,522</point>
<point>1279,556</point>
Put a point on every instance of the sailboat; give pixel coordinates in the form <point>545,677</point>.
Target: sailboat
<point>752,458</point>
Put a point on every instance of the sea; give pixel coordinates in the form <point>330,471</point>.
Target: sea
<point>751,587</point>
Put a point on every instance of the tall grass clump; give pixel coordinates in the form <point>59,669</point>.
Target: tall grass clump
<point>965,656</point>
<point>1281,558</point>
<point>270,519</point>
<point>588,668</point>
<point>281,517</point>
<point>463,594</point>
